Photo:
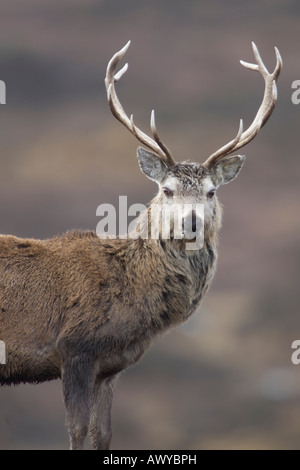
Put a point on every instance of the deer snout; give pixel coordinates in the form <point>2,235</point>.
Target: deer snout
<point>192,224</point>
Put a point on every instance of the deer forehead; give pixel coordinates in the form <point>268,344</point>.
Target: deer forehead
<point>193,184</point>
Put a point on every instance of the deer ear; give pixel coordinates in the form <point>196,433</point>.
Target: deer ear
<point>227,169</point>
<point>151,165</point>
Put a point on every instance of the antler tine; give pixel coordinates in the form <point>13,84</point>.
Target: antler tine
<point>264,112</point>
<point>226,149</point>
<point>117,110</point>
<point>171,161</point>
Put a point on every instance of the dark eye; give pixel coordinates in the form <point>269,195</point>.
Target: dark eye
<point>211,193</point>
<point>168,192</point>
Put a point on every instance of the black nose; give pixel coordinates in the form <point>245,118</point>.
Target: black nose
<point>190,223</point>
<point>194,221</point>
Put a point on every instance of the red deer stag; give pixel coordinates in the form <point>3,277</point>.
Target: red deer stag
<point>81,308</point>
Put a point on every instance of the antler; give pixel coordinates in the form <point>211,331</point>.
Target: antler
<point>116,108</point>
<point>264,112</point>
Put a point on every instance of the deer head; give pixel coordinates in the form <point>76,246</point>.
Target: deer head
<point>192,182</point>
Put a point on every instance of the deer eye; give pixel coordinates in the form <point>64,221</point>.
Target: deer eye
<point>211,193</point>
<point>168,192</point>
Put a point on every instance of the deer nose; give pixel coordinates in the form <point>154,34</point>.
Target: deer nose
<point>194,221</point>
<point>191,222</point>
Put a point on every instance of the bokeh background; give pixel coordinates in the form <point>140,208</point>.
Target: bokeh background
<point>225,379</point>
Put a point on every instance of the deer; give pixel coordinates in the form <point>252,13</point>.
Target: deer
<point>82,308</point>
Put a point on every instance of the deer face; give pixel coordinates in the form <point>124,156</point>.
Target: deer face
<point>190,187</point>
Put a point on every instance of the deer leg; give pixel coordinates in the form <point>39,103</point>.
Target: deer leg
<point>100,417</point>
<point>77,376</point>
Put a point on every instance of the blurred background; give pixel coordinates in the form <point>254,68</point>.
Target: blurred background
<point>225,379</point>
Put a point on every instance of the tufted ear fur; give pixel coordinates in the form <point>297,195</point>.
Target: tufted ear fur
<point>151,165</point>
<point>227,169</point>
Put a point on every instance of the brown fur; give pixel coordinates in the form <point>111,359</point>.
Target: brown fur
<point>82,309</point>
